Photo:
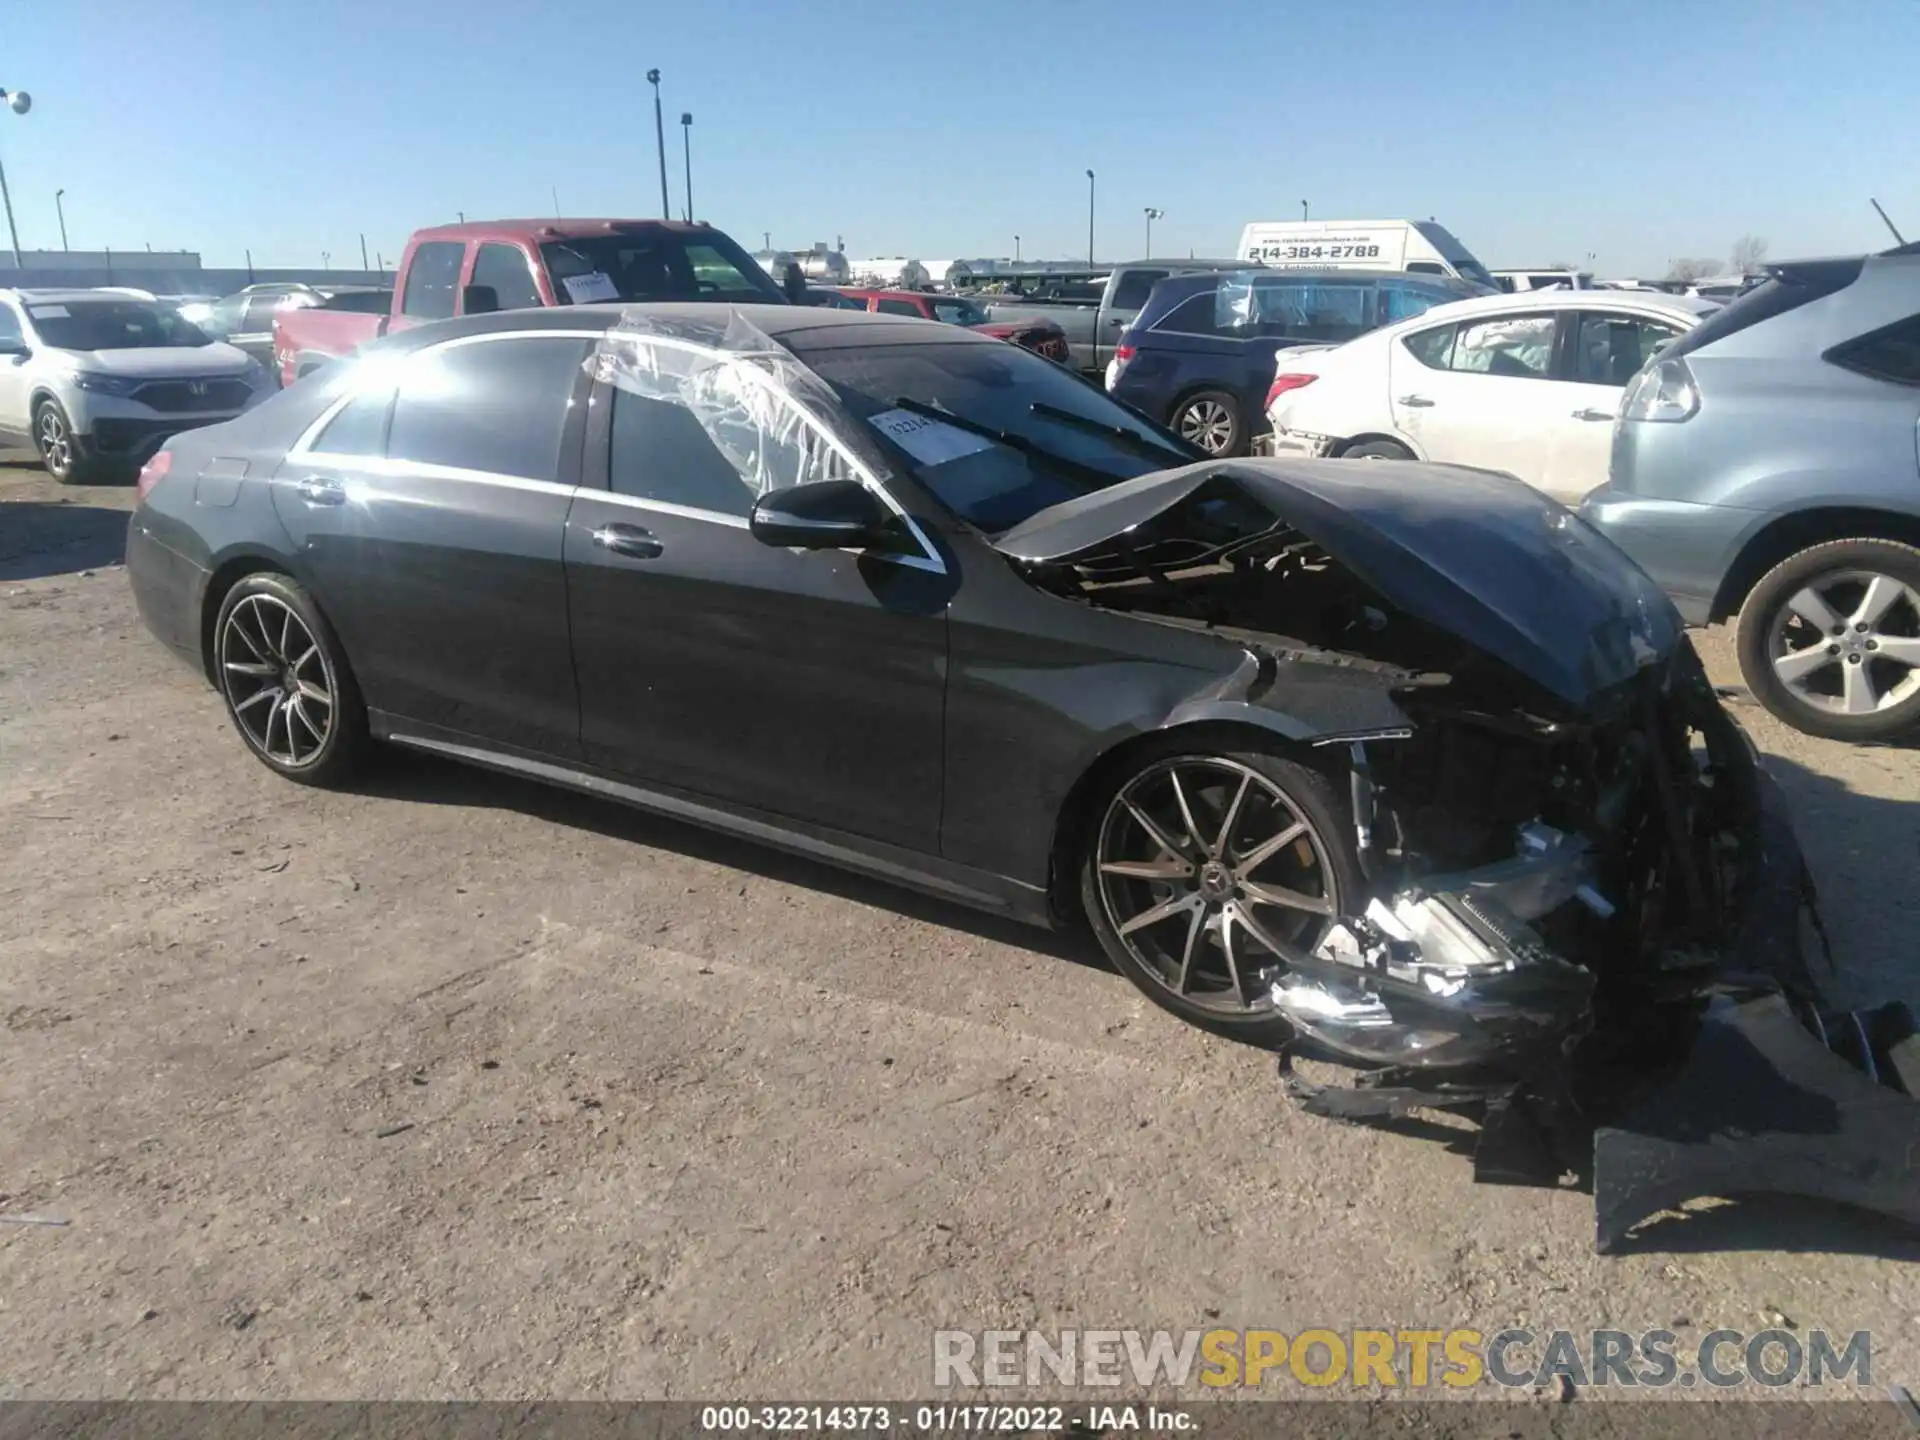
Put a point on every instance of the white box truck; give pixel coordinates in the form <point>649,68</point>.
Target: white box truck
<point>1416,245</point>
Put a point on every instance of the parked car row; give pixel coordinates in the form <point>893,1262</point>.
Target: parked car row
<point>1761,459</point>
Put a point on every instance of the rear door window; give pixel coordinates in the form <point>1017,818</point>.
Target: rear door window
<point>432,279</point>
<point>1131,292</point>
<point>1432,348</point>
<point>1519,347</point>
<point>1610,349</point>
<point>1889,354</point>
<point>360,427</point>
<point>504,269</point>
<point>498,406</point>
<point>1192,316</point>
<point>897,307</point>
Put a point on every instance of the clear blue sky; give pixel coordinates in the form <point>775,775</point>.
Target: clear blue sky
<point>1538,130</point>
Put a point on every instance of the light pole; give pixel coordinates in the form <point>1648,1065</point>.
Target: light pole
<point>326,259</point>
<point>686,150</point>
<point>1152,215</point>
<point>61,211</point>
<point>1303,209</point>
<point>660,142</point>
<point>1016,249</point>
<point>19,102</point>
<point>1089,219</point>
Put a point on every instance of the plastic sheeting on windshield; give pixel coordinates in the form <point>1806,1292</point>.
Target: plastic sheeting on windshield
<point>764,410</point>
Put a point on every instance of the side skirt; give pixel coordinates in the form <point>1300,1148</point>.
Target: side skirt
<point>927,873</point>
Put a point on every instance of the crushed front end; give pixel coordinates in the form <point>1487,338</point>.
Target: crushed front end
<point>1581,887</point>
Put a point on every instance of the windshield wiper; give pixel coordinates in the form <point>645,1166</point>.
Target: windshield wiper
<point>1126,439</point>
<point>1012,439</point>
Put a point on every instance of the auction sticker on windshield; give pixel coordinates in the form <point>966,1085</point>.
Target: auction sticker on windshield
<point>593,286</point>
<point>48,312</point>
<point>927,440</point>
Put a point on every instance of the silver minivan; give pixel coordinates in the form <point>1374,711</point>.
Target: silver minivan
<point>1767,465</point>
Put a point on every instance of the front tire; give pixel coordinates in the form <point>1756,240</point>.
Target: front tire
<point>1203,865</point>
<point>1829,640</point>
<point>286,683</point>
<point>1210,419</point>
<point>1377,450</point>
<point>60,451</point>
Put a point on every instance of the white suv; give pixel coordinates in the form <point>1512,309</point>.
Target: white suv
<point>96,380</point>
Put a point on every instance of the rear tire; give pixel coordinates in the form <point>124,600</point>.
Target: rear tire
<point>1829,640</point>
<point>1377,450</point>
<point>1211,420</point>
<point>286,683</point>
<point>1171,899</point>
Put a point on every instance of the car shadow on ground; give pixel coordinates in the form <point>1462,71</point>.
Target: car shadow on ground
<point>39,538</point>
<point>429,779</point>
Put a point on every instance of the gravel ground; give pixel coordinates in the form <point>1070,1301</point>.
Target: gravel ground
<point>458,1087</point>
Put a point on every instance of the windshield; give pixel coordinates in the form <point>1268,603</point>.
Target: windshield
<point>655,265</point>
<point>1473,270</point>
<point>959,312</point>
<point>1027,434</point>
<point>114,325</point>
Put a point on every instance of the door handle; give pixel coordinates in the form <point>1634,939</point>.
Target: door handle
<point>628,540</point>
<point>1415,402</point>
<point>1593,415</point>
<point>316,490</point>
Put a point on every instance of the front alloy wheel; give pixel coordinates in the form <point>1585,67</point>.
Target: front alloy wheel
<point>1209,870</point>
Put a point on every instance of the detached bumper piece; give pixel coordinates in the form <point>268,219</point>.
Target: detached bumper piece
<point>1763,1107</point>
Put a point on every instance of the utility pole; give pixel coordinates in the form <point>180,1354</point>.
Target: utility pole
<point>1016,249</point>
<point>61,209</point>
<point>1152,215</point>
<point>1303,209</point>
<point>556,200</point>
<point>1089,219</point>
<point>363,249</point>
<point>249,265</point>
<point>686,146</point>
<point>660,142</point>
<point>1898,238</point>
<point>19,102</point>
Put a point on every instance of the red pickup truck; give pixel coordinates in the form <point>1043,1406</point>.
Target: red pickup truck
<point>1043,337</point>
<point>482,266</point>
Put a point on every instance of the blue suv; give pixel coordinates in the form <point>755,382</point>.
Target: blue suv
<point>1199,355</point>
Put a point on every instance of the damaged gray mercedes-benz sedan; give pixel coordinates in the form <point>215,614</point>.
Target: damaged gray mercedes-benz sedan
<point>1405,765</point>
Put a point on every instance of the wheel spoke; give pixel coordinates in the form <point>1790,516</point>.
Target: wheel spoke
<point>1259,932</point>
<point>1286,899</point>
<point>265,693</point>
<point>298,708</point>
<point>1796,665</point>
<point>1813,609</point>
<point>1196,925</point>
<point>1173,868</point>
<point>1227,915</point>
<point>258,668</point>
<point>286,632</point>
<point>301,663</point>
<point>1261,853</point>
<point>1882,591</point>
<point>1233,814</point>
<point>1166,909</point>
<point>1186,813</point>
<point>1860,696</point>
<point>1152,827</point>
<point>239,632</point>
<point>310,691</point>
<point>278,712</point>
<point>1902,649</point>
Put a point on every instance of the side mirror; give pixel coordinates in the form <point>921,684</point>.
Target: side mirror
<point>826,515</point>
<point>479,300</point>
<point>17,349</point>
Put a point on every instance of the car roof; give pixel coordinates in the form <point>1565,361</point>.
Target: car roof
<point>542,230</point>
<point>1653,302</point>
<point>66,294</point>
<point>776,321</point>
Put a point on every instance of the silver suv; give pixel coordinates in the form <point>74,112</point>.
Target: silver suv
<point>1767,464</point>
<point>95,380</point>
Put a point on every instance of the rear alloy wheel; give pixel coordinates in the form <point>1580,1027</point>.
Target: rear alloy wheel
<point>286,683</point>
<point>1206,870</point>
<point>1210,420</point>
<point>1829,640</point>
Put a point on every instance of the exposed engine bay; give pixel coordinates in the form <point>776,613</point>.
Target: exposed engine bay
<point>1579,889</point>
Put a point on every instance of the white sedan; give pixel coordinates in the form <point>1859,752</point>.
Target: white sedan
<point>1526,383</point>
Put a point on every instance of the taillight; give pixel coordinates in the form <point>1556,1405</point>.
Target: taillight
<point>1123,353</point>
<point>153,472</point>
<point>1283,383</point>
